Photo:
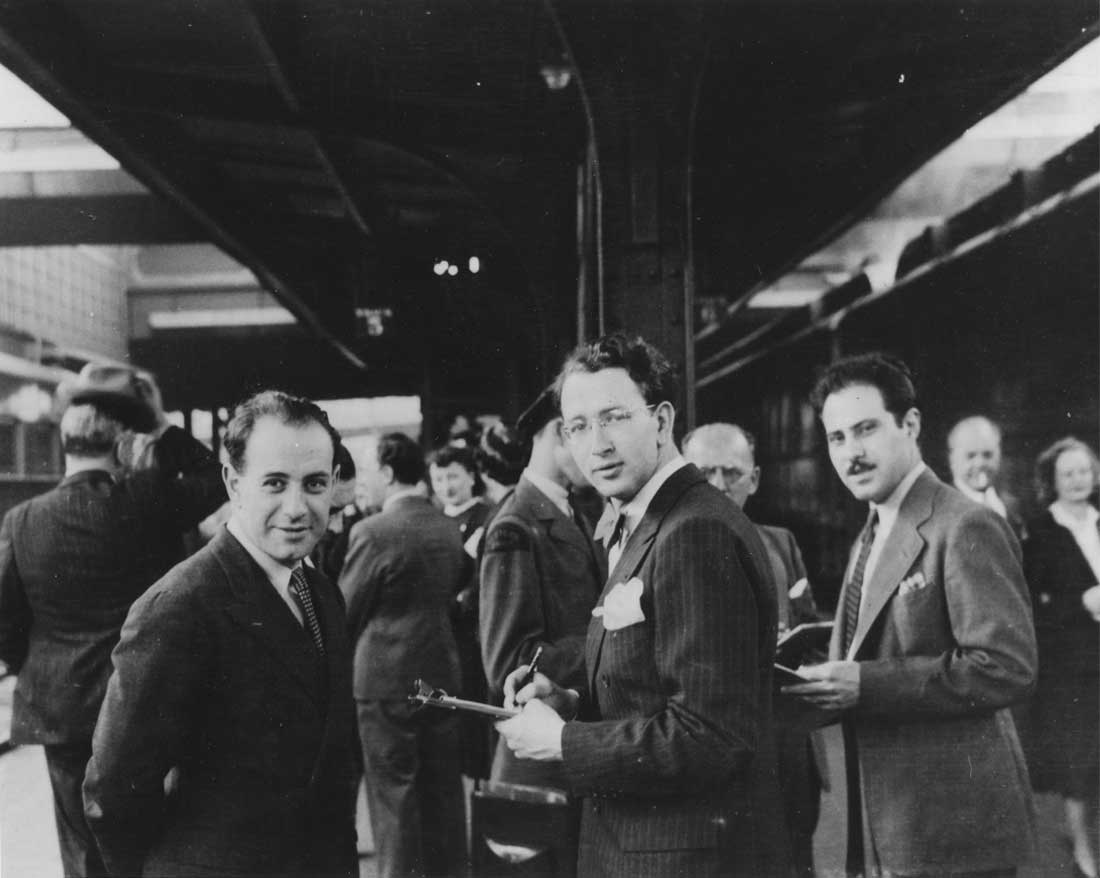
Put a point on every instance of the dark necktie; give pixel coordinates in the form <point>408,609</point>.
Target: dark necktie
<point>616,542</point>
<point>854,594</point>
<point>303,595</point>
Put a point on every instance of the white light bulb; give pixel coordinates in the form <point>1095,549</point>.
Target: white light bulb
<point>475,265</point>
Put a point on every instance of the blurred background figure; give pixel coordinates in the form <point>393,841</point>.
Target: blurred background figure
<point>74,559</point>
<point>1062,566</point>
<point>329,553</point>
<point>457,484</point>
<point>974,455</point>
<point>403,566</point>
<point>500,456</point>
<point>726,455</point>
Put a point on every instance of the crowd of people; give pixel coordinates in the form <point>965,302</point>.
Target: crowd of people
<point>210,711</point>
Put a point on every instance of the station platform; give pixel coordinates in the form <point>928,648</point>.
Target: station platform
<point>28,844</point>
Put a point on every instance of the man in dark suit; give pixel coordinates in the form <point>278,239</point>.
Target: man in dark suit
<point>974,455</point>
<point>225,744</point>
<point>73,560</point>
<point>540,577</point>
<point>934,642</point>
<point>671,746</point>
<point>403,567</point>
<point>726,456</point>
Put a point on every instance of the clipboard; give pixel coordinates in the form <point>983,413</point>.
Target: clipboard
<point>424,694</point>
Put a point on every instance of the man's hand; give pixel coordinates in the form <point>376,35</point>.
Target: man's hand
<point>535,733</point>
<point>542,688</point>
<point>835,685</point>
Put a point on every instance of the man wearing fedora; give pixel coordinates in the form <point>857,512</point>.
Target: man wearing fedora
<point>72,561</point>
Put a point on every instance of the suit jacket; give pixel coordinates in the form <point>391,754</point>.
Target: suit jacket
<point>540,577</point>
<point>402,569</point>
<point>675,753</point>
<point>788,570</point>
<point>72,561</point>
<point>946,644</point>
<point>215,677</point>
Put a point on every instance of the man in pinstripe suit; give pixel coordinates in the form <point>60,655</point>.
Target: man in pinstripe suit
<point>670,742</point>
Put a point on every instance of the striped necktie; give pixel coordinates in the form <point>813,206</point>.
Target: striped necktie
<point>303,595</point>
<point>854,594</point>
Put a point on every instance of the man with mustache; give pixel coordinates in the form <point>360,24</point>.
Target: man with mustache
<point>669,741</point>
<point>934,642</point>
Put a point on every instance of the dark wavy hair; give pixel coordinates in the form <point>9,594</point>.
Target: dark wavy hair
<point>1047,460</point>
<point>294,411</point>
<point>647,367</point>
<point>404,456</point>
<point>501,454</point>
<point>464,457</point>
<point>889,375</point>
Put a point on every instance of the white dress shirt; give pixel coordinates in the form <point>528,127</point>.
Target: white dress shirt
<point>277,574</point>
<point>1084,532</point>
<point>887,517</point>
<point>635,508</point>
<point>988,497</point>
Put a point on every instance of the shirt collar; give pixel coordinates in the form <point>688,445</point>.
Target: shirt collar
<point>400,494</point>
<point>1069,521</point>
<point>636,507</point>
<point>888,509</point>
<point>976,496</point>
<point>554,492</point>
<point>278,574</point>
<point>454,511</point>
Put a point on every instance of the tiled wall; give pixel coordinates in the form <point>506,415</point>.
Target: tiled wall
<point>74,297</point>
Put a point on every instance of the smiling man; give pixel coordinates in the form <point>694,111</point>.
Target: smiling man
<point>225,746</point>
<point>670,742</point>
<point>933,643</point>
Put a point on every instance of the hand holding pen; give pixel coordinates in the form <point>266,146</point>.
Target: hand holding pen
<point>532,669</point>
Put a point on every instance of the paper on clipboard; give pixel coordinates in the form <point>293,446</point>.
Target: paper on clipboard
<point>425,694</point>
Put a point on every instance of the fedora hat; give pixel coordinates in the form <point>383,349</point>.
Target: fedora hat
<point>117,390</point>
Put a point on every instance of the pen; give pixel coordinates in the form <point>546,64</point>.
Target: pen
<point>530,676</point>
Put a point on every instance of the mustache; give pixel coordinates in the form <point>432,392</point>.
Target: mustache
<point>858,466</point>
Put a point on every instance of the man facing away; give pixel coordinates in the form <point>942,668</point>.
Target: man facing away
<point>668,740</point>
<point>540,577</point>
<point>73,560</point>
<point>934,642</point>
<point>225,744</point>
<point>974,455</point>
<point>726,455</point>
<point>402,569</point>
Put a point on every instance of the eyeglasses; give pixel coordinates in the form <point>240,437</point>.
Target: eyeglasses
<point>609,421</point>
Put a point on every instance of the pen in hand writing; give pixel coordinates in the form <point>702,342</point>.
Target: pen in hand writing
<point>529,677</point>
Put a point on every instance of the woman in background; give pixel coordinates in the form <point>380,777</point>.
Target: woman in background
<point>1062,565</point>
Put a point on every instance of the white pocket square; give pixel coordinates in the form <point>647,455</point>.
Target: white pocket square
<point>912,583</point>
<point>622,606</point>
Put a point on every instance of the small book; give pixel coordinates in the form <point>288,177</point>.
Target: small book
<point>806,644</point>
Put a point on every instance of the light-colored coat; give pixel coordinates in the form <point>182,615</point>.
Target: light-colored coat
<point>946,645</point>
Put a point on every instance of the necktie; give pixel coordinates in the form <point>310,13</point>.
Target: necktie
<point>855,585</point>
<point>615,544</point>
<point>303,595</point>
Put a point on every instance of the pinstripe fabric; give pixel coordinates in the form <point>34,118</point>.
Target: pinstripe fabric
<point>674,752</point>
<point>72,561</point>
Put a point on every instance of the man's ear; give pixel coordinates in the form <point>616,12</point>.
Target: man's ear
<point>666,420</point>
<point>387,473</point>
<point>231,479</point>
<point>754,480</point>
<point>911,422</point>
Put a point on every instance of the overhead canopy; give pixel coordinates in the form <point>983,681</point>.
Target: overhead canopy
<point>341,148</point>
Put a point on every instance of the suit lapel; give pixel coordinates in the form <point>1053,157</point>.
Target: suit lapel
<point>635,552</point>
<point>901,548</point>
<point>263,615</point>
